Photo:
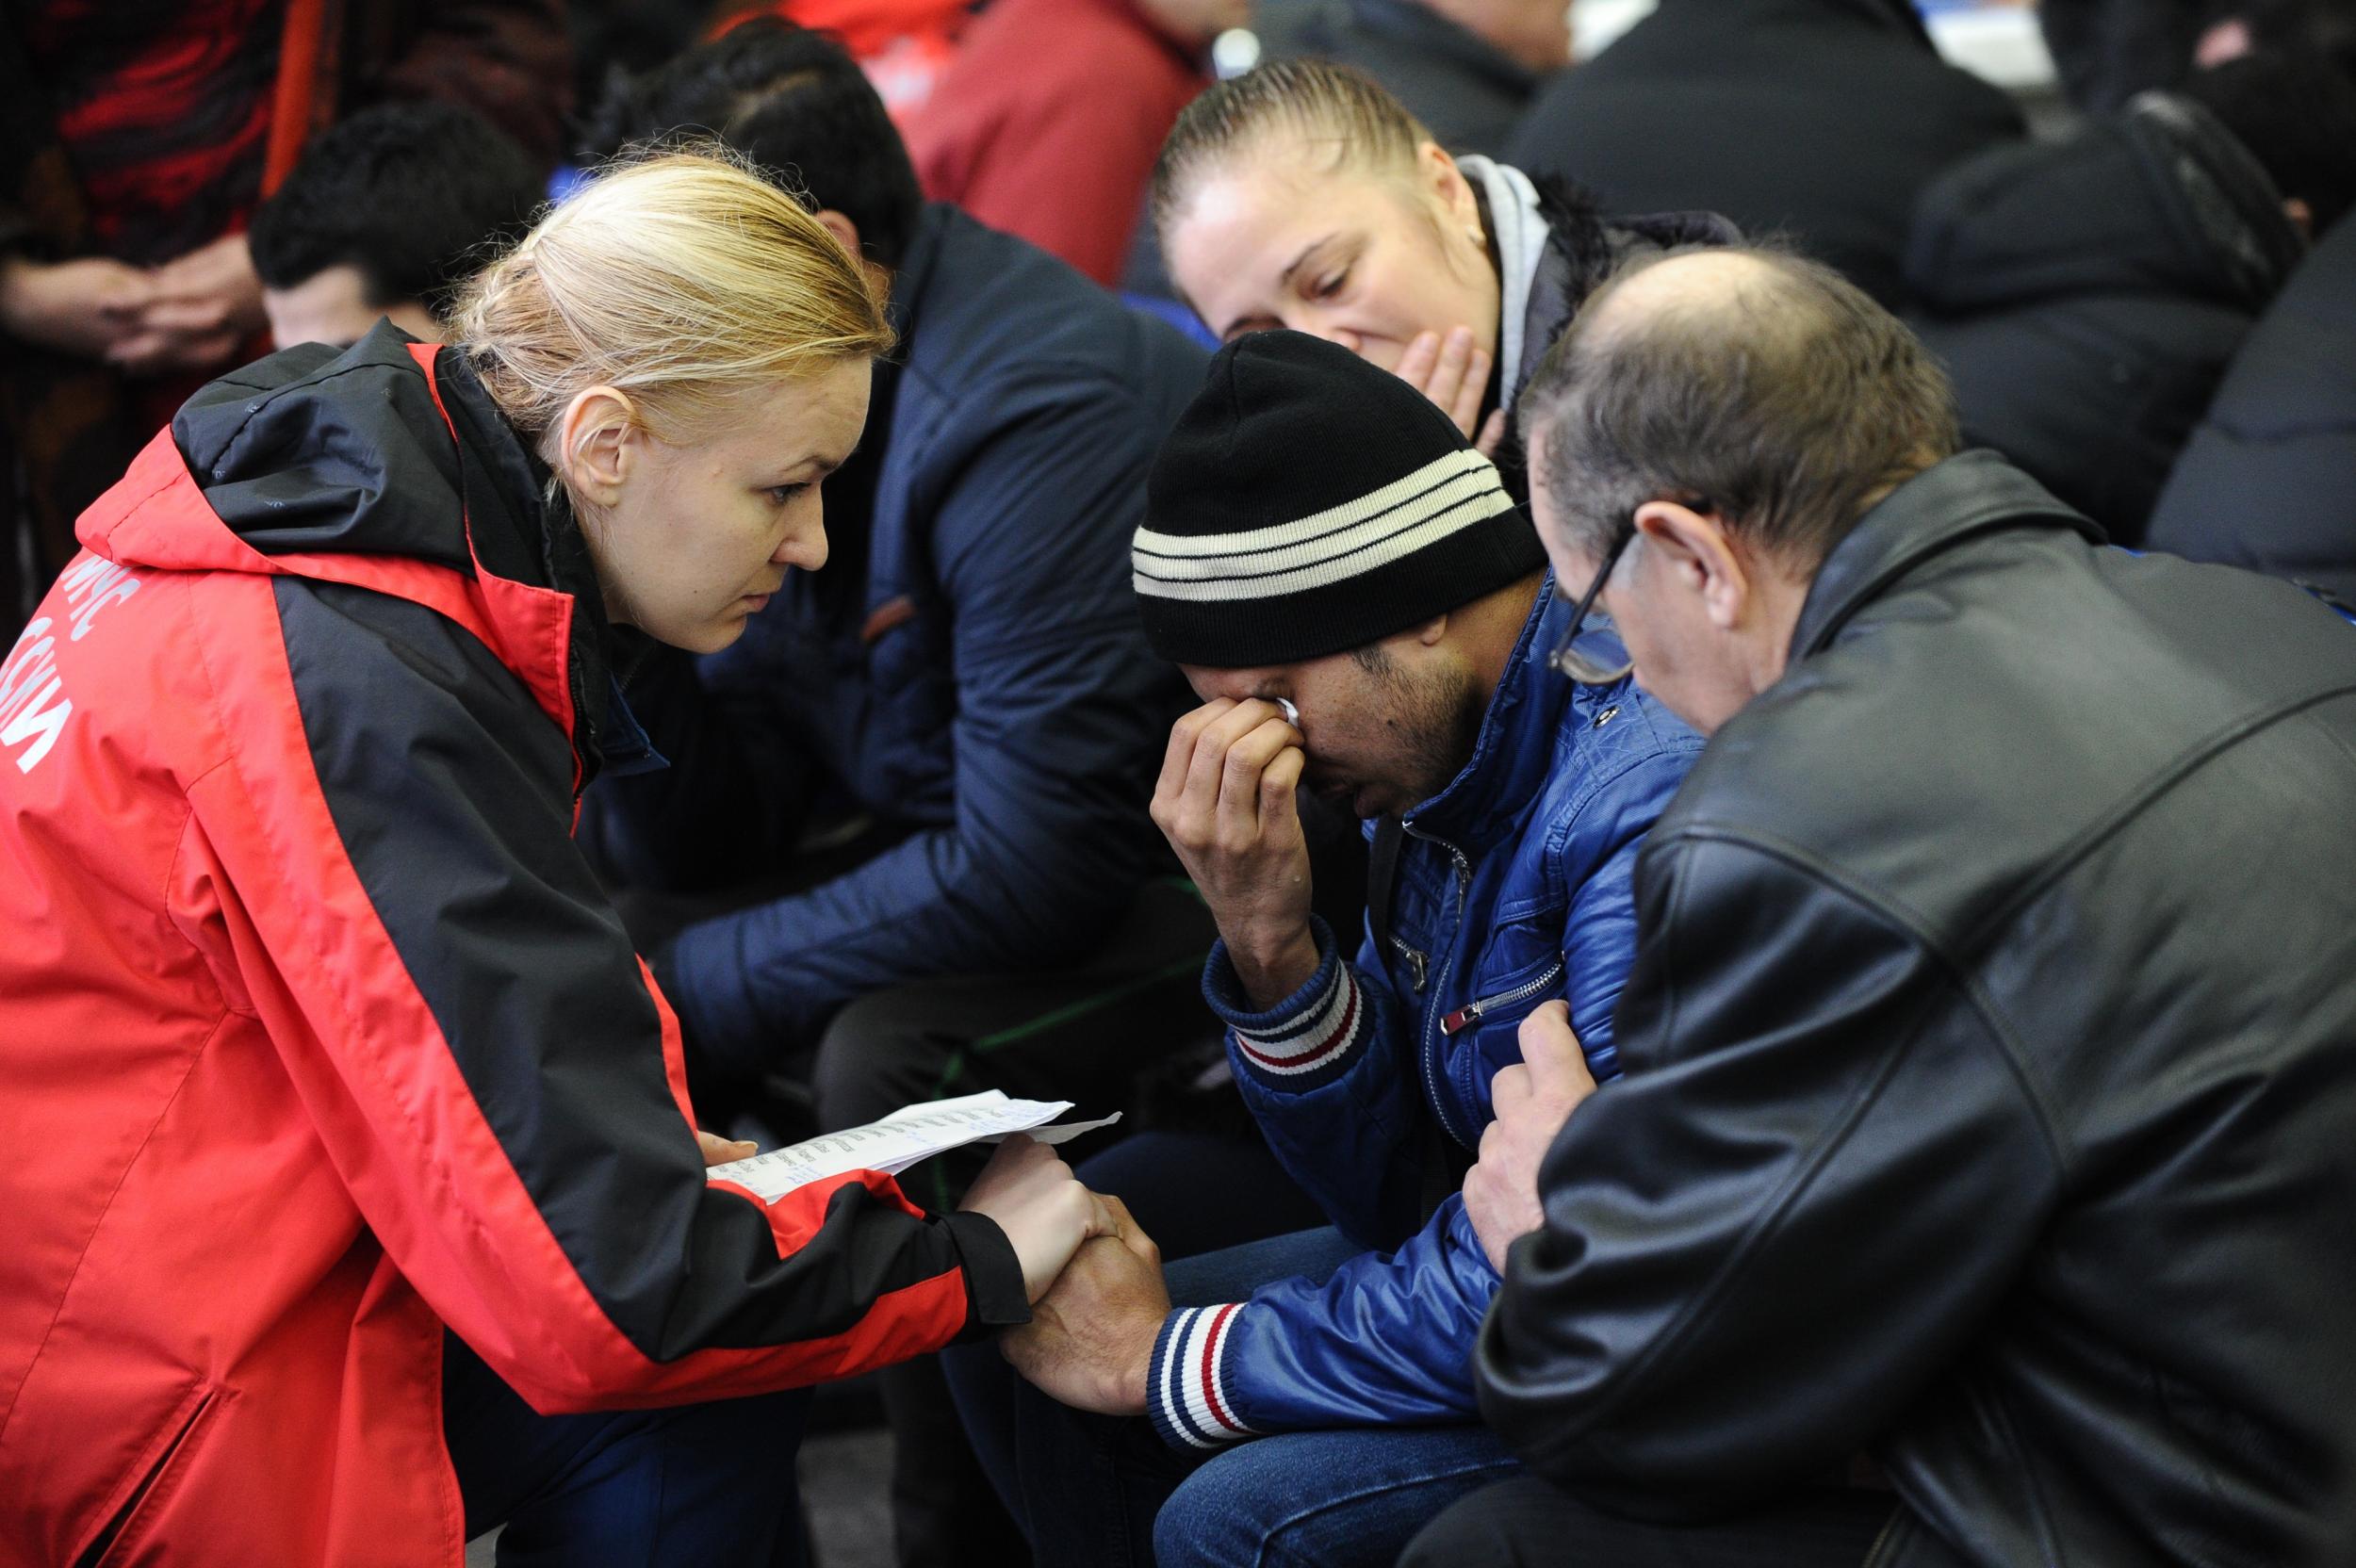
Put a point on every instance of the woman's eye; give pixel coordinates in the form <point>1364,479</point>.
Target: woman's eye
<point>1330,285</point>
<point>782,495</point>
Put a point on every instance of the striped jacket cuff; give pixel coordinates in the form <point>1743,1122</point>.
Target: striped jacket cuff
<point>1302,1041</point>
<point>1185,1391</point>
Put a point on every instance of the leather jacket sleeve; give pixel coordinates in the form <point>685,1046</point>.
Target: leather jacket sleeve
<point>1807,1081</point>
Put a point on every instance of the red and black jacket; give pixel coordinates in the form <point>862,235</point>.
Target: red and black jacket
<point>317,1036</point>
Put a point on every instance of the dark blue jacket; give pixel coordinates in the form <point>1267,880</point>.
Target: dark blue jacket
<point>968,663</point>
<point>1513,888</point>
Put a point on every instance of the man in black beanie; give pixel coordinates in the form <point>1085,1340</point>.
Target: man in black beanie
<point>1347,585</point>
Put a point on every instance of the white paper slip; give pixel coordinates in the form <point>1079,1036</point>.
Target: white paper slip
<point>909,1135</point>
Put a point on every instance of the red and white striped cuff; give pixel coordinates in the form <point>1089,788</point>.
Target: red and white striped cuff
<point>1187,1386</point>
<point>1315,1037</point>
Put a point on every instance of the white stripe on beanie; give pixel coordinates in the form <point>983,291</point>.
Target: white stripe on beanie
<point>1443,497</point>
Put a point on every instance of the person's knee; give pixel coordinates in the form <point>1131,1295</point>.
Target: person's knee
<point>1224,1514</point>
<point>1469,1534</point>
<point>877,1055</point>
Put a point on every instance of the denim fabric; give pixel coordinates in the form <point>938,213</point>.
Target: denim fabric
<point>1339,1499</point>
<point>708,1483</point>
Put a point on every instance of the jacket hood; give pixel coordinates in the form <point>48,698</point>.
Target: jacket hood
<point>318,452</point>
<point>2158,198</point>
<point>341,465</point>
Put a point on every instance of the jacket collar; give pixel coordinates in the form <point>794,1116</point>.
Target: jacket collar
<point>522,529</point>
<point>1515,749</point>
<point>1930,513</point>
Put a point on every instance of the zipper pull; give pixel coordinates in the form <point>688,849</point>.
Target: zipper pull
<point>1460,1020</point>
<point>1417,963</point>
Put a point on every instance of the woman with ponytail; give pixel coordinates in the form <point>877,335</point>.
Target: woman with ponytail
<point>350,1160</point>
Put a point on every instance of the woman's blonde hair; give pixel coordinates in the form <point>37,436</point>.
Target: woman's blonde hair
<point>679,278</point>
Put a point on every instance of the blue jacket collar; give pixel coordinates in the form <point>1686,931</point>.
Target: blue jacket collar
<point>1514,750</point>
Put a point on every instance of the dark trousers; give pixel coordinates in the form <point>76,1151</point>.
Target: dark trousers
<point>708,1483</point>
<point>1528,1523</point>
<point>1088,1035</point>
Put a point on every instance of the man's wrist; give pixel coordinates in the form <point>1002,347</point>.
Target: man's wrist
<point>1270,971</point>
<point>1136,1377</point>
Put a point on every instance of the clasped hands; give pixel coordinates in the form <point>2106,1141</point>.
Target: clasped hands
<point>191,313</point>
<point>1094,1280</point>
<point>1098,1303</point>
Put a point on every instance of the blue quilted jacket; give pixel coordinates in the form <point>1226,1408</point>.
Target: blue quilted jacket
<point>1371,1082</point>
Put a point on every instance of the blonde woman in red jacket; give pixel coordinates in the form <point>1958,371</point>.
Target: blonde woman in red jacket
<point>343,1130</point>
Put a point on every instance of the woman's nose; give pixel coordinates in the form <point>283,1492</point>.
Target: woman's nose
<point>804,548</point>
<point>1335,333</point>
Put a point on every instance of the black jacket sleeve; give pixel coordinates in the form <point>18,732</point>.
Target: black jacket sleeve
<point>1822,1166</point>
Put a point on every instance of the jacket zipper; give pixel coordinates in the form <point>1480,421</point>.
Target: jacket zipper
<point>1881,1554</point>
<point>1417,961</point>
<point>1472,1012</point>
<point>1430,1053</point>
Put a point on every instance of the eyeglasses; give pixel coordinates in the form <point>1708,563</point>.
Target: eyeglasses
<point>1566,659</point>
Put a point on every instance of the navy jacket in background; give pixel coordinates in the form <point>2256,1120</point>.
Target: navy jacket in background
<point>2264,481</point>
<point>2086,295</point>
<point>969,663</point>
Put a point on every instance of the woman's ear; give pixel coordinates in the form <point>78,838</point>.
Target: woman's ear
<point>1438,174</point>
<point>595,449</point>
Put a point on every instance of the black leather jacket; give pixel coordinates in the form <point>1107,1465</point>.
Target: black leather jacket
<point>1990,1073</point>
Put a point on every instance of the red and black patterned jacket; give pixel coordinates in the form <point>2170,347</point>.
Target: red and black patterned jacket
<point>140,129</point>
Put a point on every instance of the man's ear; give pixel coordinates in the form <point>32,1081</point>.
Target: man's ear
<point>1429,634</point>
<point>596,447</point>
<point>843,229</point>
<point>1692,547</point>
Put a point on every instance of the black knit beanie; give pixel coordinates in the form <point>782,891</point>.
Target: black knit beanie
<point>1309,504</point>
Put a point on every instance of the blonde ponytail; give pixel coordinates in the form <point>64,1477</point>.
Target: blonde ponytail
<point>681,279</point>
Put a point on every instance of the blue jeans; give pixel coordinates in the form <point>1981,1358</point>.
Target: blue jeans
<point>710,1483</point>
<point>1089,1490</point>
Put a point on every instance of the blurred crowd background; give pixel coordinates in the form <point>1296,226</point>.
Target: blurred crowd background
<point>2088,263</point>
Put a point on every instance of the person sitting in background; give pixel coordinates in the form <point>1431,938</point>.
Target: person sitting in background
<point>1821,121</point>
<point>1464,68</point>
<point>385,215</point>
<point>2264,480</point>
<point>1301,195</point>
<point>2086,295</point>
<point>2105,52</point>
<point>355,1201</point>
<point>1046,123</point>
<point>134,143</point>
<point>967,673</point>
<point>1989,1055</point>
<point>1377,624</point>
